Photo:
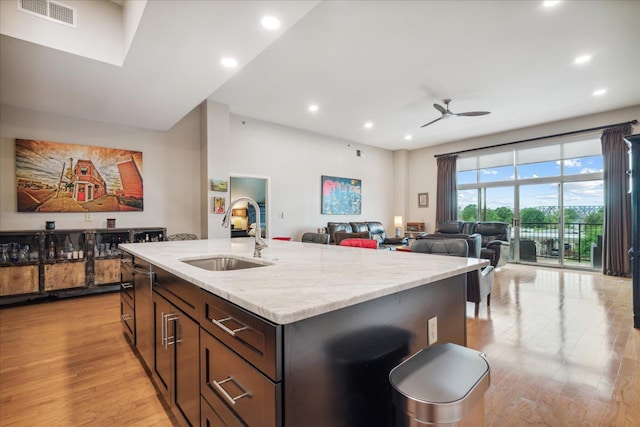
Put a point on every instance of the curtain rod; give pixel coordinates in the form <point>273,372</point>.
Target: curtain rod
<point>631,122</point>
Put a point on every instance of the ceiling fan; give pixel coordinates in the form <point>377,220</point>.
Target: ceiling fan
<point>446,113</point>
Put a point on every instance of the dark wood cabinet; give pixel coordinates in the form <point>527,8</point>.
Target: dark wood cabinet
<point>176,348</point>
<point>633,142</point>
<point>226,377</point>
<point>144,320</point>
<point>221,416</point>
<point>217,364</point>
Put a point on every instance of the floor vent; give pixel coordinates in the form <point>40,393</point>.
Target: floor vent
<point>50,10</point>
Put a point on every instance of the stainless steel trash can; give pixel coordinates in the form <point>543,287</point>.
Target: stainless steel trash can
<point>441,385</point>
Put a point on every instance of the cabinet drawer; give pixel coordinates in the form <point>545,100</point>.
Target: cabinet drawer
<point>255,339</point>
<point>127,292</point>
<point>221,416</point>
<point>127,318</point>
<point>18,280</point>
<point>181,293</point>
<point>107,271</point>
<point>64,275</point>
<point>227,377</point>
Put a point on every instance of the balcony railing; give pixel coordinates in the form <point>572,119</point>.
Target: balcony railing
<point>582,242</point>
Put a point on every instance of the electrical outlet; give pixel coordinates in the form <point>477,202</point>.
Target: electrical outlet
<point>87,217</point>
<point>432,328</point>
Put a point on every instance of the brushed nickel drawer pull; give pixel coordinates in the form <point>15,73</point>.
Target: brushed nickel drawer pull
<point>232,332</point>
<point>164,330</point>
<point>126,285</point>
<point>126,317</point>
<point>231,400</point>
<point>170,340</point>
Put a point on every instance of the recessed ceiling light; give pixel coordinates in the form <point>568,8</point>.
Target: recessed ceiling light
<point>229,62</point>
<point>550,3</point>
<point>270,22</point>
<point>583,59</point>
<point>599,92</point>
<point>368,125</point>
<point>408,137</point>
<point>313,108</point>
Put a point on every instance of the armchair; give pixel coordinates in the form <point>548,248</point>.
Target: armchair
<point>316,238</point>
<point>495,241</point>
<point>332,227</point>
<point>377,232</point>
<point>479,282</point>
<point>455,227</point>
<point>474,241</point>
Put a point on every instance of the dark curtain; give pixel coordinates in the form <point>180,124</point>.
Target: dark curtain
<point>446,196</point>
<point>617,203</point>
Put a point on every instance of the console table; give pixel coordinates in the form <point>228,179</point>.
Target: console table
<point>37,264</point>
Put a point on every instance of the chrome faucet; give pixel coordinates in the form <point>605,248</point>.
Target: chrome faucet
<point>260,244</point>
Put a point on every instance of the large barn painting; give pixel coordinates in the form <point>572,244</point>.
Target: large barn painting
<point>57,177</point>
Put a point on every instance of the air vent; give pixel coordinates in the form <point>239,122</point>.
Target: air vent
<point>50,10</point>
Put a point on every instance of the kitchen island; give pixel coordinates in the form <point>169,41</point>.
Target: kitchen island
<point>306,339</point>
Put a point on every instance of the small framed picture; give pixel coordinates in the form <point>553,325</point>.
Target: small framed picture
<point>219,185</point>
<point>219,205</point>
<point>423,200</point>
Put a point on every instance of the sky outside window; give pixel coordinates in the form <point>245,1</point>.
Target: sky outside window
<point>582,165</point>
<point>501,173</point>
<point>467,177</point>
<point>538,170</point>
<point>584,193</point>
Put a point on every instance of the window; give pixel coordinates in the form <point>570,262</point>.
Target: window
<point>554,189</point>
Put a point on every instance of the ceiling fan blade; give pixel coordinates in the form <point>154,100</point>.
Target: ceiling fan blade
<point>474,113</point>
<point>439,108</point>
<point>432,121</point>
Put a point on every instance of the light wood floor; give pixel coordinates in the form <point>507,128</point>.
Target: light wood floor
<point>561,345</point>
<point>66,363</point>
<point>562,349</point>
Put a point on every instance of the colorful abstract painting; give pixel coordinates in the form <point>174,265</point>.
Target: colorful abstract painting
<point>58,177</point>
<point>341,196</point>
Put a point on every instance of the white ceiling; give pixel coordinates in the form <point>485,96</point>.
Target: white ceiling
<point>381,61</point>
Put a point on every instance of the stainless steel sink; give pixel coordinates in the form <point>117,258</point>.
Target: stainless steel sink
<point>224,263</point>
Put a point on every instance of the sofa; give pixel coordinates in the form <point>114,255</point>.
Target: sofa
<point>494,237</point>
<point>362,230</point>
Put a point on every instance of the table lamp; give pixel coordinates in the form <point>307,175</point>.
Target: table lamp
<point>397,223</point>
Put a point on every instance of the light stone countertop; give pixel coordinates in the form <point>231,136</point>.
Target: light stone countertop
<point>304,279</point>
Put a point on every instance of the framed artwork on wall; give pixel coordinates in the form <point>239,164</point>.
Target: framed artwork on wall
<point>59,177</point>
<point>219,205</point>
<point>219,185</point>
<point>423,200</point>
<point>341,196</point>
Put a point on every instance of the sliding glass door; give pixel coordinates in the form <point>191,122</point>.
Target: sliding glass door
<point>551,195</point>
<point>537,233</point>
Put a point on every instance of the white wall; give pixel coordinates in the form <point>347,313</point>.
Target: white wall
<point>422,163</point>
<point>132,11</point>
<point>171,182</point>
<point>294,160</point>
<point>99,34</point>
